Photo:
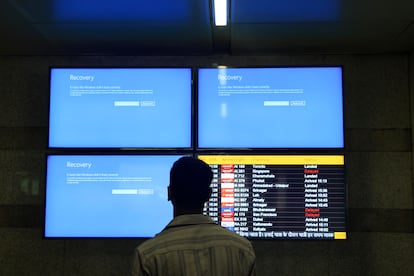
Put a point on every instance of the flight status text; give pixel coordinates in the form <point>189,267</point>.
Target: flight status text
<point>289,197</point>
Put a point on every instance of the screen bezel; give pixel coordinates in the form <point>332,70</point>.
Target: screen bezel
<point>122,148</point>
<point>99,154</point>
<point>194,149</point>
<point>278,153</point>
<point>266,149</point>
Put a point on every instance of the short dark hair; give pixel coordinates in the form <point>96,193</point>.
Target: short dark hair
<point>190,180</point>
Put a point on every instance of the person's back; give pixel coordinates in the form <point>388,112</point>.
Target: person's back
<point>192,244</point>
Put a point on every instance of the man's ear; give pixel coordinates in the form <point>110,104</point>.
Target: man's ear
<point>169,193</point>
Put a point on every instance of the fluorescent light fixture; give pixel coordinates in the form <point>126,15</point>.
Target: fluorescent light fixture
<point>220,12</point>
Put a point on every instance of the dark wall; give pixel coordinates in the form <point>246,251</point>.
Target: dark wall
<point>378,133</point>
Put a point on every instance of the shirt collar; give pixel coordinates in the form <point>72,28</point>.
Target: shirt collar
<point>189,220</point>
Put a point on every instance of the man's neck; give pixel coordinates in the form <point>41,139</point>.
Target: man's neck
<point>186,211</point>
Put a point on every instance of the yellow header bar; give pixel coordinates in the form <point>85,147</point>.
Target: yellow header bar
<point>274,159</point>
<point>340,235</point>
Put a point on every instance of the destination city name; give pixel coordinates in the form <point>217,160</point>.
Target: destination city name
<point>261,224</point>
<point>264,175</point>
<point>262,210</point>
<point>263,214</point>
<point>260,183</point>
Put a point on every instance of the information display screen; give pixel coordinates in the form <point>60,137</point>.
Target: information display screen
<point>107,195</point>
<point>279,196</point>
<point>270,107</point>
<point>120,108</point>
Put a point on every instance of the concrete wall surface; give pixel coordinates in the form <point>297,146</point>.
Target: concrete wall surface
<point>378,104</point>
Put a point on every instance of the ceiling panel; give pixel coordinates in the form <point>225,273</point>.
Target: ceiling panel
<point>382,10</point>
<point>316,36</point>
<point>118,38</point>
<point>164,27</point>
<point>94,11</point>
<point>273,11</point>
<point>118,26</point>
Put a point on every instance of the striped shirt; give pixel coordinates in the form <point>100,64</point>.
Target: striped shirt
<point>194,245</point>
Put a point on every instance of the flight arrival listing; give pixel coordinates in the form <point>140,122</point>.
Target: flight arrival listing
<point>286,197</point>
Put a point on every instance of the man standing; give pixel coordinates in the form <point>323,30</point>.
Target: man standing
<point>192,244</point>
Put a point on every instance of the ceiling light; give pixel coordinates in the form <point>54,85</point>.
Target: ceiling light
<point>220,12</point>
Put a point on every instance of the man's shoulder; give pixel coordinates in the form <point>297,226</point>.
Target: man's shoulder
<point>149,244</point>
<point>233,235</point>
<point>233,238</point>
<point>210,235</point>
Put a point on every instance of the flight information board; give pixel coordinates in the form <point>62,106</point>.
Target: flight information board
<point>279,196</point>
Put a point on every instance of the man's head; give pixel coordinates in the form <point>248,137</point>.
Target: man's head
<point>190,180</point>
